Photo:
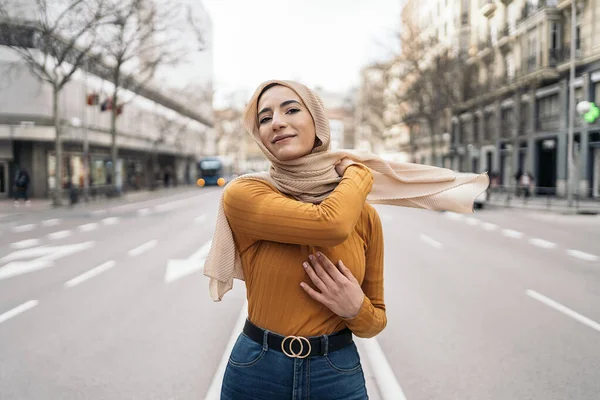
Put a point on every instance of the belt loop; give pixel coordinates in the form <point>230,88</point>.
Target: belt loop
<point>266,340</point>
<point>324,344</point>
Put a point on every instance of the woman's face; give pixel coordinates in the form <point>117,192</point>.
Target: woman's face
<point>286,127</point>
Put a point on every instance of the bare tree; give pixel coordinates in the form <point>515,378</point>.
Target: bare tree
<point>141,37</point>
<point>52,39</point>
<point>432,76</point>
<point>370,105</point>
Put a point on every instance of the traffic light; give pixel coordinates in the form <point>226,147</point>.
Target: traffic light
<point>593,114</point>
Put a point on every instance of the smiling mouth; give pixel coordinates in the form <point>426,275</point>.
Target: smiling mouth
<point>283,139</point>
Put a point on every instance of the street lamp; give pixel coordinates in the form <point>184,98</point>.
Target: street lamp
<point>570,165</point>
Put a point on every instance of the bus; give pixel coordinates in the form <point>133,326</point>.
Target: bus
<point>213,171</point>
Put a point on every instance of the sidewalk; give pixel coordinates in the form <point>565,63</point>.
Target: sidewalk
<point>8,209</point>
<point>546,203</point>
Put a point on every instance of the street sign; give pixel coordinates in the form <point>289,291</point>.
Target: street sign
<point>177,269</point>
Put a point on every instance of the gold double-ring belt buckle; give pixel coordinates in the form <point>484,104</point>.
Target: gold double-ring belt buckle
<point>292,340</point>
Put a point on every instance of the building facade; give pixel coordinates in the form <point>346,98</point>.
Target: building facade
<point>514,117</point>
<point>159,137</point>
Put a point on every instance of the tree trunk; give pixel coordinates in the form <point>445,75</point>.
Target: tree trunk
<point>57,195</point>
<point>113,133</point>
<point>431,123</point>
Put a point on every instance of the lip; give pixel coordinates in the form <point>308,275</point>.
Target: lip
<point>282,138</point>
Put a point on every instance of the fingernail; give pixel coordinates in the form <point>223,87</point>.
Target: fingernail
<point>305,265</point>
<point>312,258</point>
<point>319,254</point>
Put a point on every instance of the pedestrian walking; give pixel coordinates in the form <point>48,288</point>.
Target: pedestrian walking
<point>21,187</point>
<point>309,246</point>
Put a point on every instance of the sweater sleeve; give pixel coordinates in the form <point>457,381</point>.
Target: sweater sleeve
<point>254,209</point>
<point>371,318</point>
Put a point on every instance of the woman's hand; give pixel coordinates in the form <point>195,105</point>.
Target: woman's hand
<point>341,166</point>
<point>339,289</point>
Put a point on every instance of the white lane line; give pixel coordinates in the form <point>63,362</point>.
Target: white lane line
<point>488,226</point>
<point>25,243</point>
<point>18,310</point>
<point>563,309</point>
<point>23,228</point>
<point>214,391</point>
<point>200,219</point>
<point>384,376</point>
<point>111,220</point>
<point>98,212</point>
<point>512,234</point>
<point>453,215</point>
<point>430,241</point>
<point>472,221</point>
<point>144,211</point>
<point>51,222</point>
<point>142,248</point>
<point>582,255</point>
<point>59,235</point>
<point>88,227</point>
<point>91,273</point>
<point>542,243</point>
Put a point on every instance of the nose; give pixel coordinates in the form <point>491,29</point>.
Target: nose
<point>278,121</point>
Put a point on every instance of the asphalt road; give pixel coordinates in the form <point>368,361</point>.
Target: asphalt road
<point>109,303</point>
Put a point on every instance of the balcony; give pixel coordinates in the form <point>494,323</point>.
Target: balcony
<point>530,8</point>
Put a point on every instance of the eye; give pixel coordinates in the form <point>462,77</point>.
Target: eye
<point>292,111</point>
<point>264,119</point>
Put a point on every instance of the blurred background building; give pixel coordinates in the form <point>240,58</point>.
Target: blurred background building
<point>163,125</point>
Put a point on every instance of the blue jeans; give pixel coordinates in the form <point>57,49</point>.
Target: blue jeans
<point>255,372</point>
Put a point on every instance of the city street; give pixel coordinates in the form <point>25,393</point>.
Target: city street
<point>109,302</point>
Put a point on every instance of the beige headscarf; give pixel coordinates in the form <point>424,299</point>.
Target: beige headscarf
<point>313,177</point>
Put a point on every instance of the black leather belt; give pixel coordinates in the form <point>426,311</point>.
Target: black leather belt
<point>300,346</point>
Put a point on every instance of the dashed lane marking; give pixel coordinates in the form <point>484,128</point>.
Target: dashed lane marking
<point>136,251</point>
<point>18,310</point>
<point>91,273</point>
<point>582,255</point>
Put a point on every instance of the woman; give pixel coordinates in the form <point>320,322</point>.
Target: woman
<point>310,249</point>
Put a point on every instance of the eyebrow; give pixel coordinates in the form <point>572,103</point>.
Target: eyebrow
<point>285,103</point>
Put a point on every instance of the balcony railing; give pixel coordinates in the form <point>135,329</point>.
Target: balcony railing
<point>557,57</point>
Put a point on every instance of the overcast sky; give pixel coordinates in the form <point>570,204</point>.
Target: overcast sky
<point>318,42</point>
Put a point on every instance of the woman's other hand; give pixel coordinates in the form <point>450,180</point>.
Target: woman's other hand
<point>341,166</point>
<point>339,289</point>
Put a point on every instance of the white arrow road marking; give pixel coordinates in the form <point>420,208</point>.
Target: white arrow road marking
<point>542,243</point>
<point>18,310</point>
<point>430,241</point>
<point>42,257</point>
<point>142,248</point>
<point>51,222</point>
<point>177,269</point>
<point>581,255</point>
<point>59,235</point>
<point>23,228</point>
<point>25,243</point>
<point>91,273</point>
<point>88,227</point>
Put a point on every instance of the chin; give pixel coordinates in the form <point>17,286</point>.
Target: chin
<point>289,154</point>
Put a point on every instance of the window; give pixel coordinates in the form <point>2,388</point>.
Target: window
<point>555,36</point>
<point>548,107</point>
<point>510,66</point>
<point>597,93</point>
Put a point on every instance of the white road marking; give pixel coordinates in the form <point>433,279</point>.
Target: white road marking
<point>453,215</point>
<point>88,227</point>
<point>25,243</point>
<point>384,376</point>
<point>488,226</point>
<point>91,273</point>
<point>18,310</point>
<point>582,255</point>
<point>512,234</point>
<point>472,221</point>
<point>214,391</point>
<point>563,309</point>
<point>199,219</point>
<point>542,243</point>
<point>142,248</point>
<point>111,220</point>
<point>177,269</point>
<point>144,211</point>
<point>23,228</point>
<point>430,241</point>
<point>51,222</point>
<point>59,235</point>
<point>98,212</point>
